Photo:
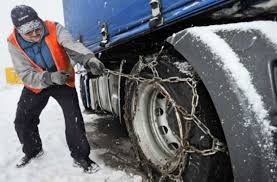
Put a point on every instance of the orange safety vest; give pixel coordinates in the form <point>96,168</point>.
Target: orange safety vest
<point>59,55</point>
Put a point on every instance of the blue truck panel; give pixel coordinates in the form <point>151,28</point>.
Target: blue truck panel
<point>86,17</point>
<point>123,19</point>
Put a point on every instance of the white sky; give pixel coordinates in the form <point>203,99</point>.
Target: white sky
<point>50,9</point>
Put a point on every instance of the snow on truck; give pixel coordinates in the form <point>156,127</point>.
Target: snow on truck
<point>193,81</point>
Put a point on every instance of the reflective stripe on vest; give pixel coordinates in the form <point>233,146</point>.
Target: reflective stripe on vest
<point>61,59</point>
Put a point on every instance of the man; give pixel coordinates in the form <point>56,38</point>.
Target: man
<point>41,52</point>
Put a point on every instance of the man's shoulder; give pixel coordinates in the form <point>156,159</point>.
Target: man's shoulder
<point>11,36</point>
<point>53,22</point>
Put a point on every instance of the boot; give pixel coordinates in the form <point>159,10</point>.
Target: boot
<point>26,159</point>
<point>87,165</point>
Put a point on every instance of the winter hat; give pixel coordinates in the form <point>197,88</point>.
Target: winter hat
<point>25,19</point>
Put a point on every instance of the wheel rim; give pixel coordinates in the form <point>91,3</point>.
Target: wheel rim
<point>156,127</point>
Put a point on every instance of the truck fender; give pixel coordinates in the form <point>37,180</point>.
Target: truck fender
<point>237,64</point>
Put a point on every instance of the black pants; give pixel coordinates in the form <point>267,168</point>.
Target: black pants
<point>28,111</point>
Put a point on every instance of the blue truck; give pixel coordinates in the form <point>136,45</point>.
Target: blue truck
<point>192,81</point>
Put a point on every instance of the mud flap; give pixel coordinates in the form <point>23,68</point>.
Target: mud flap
<point>238,65</point>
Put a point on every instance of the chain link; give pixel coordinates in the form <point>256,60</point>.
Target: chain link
<point>188,118</point>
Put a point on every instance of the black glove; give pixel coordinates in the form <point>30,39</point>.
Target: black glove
<point>95,66</point>
<point>58,77</point>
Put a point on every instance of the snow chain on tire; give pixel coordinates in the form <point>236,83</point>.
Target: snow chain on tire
<point>189,117</point>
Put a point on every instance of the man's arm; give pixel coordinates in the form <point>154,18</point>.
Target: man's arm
<point>76,50</point>
<point>28,74</point>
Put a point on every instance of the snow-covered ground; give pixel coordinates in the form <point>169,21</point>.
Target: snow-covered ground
<point>56,164</point>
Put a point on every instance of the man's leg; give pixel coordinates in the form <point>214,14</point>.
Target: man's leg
<point>29,108</point>
<point>75,130</point>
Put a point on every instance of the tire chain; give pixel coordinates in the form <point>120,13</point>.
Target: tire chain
<point>189,117</point>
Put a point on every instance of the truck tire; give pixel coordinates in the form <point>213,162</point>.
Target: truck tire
<point>152,125</point>
<point>84,95</point>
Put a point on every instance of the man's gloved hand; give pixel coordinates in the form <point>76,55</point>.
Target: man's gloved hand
<point>58,77</point>
<point>95,66</point>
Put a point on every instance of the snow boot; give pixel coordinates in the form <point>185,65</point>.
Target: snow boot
<point>87,165</point>
<point>26,159</point>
